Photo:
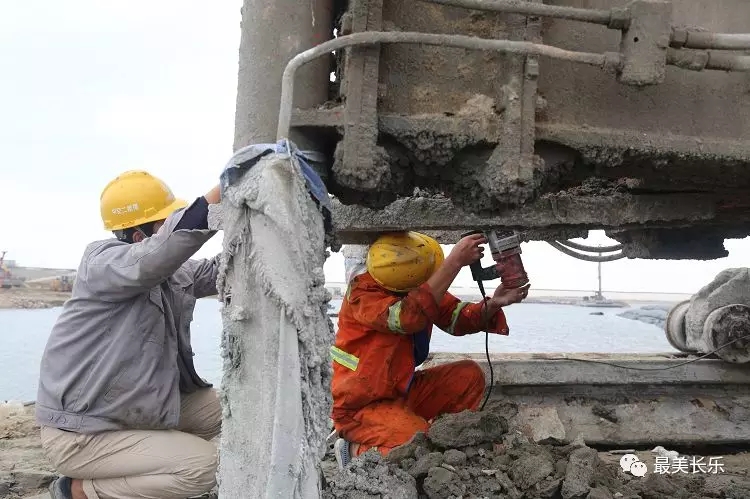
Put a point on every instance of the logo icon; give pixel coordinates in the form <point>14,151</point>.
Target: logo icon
<point>638,468</point>
<point>631,464</point>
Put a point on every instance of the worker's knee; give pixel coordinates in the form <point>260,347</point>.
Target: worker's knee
<point>197,474</point>
<point>471,375</point>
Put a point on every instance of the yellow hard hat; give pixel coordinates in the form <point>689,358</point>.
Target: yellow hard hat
<point>402,261</point>
<point>135,198</point>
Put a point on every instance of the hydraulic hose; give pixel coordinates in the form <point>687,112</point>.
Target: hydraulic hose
<point>588,258</point>
<point>593,249</point>
<point>707,40</point>
<point>698,60</point>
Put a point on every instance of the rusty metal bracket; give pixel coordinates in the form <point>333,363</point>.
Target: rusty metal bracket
<point>360,79</point>
<point>644,43</point>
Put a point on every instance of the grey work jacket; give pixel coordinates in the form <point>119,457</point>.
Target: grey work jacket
<point>119,354</point>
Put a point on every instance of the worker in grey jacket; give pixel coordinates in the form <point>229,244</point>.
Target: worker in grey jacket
<point>122,410</point>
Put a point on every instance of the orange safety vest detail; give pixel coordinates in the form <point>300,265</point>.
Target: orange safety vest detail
<point>376,343</point>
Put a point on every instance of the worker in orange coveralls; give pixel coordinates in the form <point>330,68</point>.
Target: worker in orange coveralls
<point>385,324</point>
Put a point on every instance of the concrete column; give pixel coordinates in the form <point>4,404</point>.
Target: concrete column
<point>272,33</point>
<point>257,450</point>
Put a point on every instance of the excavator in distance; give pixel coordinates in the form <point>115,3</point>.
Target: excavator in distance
<point>7,280</point>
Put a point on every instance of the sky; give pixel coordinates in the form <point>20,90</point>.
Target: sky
<point>90,89</point>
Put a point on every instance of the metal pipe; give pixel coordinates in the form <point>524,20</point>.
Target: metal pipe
<point>595,16</point>
<point>458,41</point>
<point>708,40</point>
<point>698,60</point>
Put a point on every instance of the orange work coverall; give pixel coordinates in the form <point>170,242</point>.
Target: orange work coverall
<point>379,400</point>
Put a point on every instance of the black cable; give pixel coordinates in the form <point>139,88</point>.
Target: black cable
<point>587,258</point>
<point>594,361</point>
<point>489,363</point>
<point>485,320</point>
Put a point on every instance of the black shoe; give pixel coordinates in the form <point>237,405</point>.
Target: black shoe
<point>60,488</point>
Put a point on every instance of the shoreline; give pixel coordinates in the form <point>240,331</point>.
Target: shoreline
<point>30,298</point>
<point>37,298</point>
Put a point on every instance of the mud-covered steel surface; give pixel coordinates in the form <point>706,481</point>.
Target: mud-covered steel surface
<point>458,124</point>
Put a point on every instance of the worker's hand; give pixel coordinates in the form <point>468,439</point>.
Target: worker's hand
<point>504,297</point>
<point>467,251</point>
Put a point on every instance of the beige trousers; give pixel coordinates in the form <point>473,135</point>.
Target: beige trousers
<point>158,464</point>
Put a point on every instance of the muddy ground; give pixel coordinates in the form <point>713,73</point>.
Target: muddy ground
<point>29,298</point>
<point>470,455</point>
<point>23,468</point>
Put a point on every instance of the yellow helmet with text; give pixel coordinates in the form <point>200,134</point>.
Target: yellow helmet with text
<point>135,198</point>
<point>402,261</point>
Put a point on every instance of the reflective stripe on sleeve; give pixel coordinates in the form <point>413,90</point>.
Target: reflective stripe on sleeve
<point>394,318</point>
<point>455,316</point>
<point>345,359</point>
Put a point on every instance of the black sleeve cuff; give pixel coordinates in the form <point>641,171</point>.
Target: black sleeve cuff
<point>195,216</point>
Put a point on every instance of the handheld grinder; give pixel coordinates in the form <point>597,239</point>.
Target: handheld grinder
<point>505,248</point>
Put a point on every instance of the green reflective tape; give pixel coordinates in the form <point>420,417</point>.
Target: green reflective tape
<point>345,359</point>
<point>394,318</point>
<point>456,315</point>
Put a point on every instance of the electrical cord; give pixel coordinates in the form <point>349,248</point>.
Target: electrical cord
<point>485,320</point>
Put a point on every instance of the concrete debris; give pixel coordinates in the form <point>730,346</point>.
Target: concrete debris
<point>454,457</point>
<point>425,464</point>
<point>541,424</point>
<point>371,477</point>
<point>579,472</point>
<point>483,461</point>
<point>467,428</point>
<point>442,484</point>
<point>529,469</point>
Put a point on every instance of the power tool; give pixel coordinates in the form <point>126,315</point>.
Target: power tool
<point>506,251</point>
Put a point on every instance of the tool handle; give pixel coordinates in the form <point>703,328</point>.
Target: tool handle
<point>476,268</point>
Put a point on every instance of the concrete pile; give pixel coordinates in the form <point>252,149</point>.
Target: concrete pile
<point>473,455</point>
